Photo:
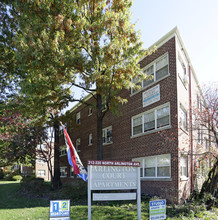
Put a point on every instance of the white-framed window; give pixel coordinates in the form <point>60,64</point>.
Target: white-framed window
<point>41,147</point>
<point>78,121</point>
<point>153,119</point>
<point>62,150</point>
<point>78,144</point>
<point>41,173</point>
<point>183,118</point>
<point>183,167</point>
<point>155,166</point>
<point>41,160</point>
<point>72,172</point>
<point>107,135</point>
<point>155,71</point>
<point>63,171</point>
<point>90,111</point>
<point>182,70</point>
<point>90,139</point>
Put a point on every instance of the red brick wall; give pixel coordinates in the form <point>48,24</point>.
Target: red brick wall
<point>124,147</point>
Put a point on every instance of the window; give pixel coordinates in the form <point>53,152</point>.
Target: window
<point>90,111</point>
<point>182,70</point>
<point>154,72</point>
<point>63,171</point>
<point>90,139</point>
<point>41,173</point>
<point>61,130</point>
<point>78,144</point>
<point>72,172</point>
<point>183,118</point>
<point>183,167</point>
<point>78,118</point>
<point>151,120</point>
<point>63,150</point>
<point>41,160</point>
<point>155,166</point>
<point>107,135</point>
<point>41,147</point>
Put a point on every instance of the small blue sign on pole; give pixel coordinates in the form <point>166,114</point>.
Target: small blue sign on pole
<point>157,209</point>
<point>59,208</point>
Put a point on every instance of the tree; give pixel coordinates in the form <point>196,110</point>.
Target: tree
<point>17,139</point>
<point>59,41</point>
<point>206,124</point>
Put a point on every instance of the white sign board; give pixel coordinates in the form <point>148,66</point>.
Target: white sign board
<point>59,208</point>
<point>157,209</point>
<point>114,175</point>
<point>113,196</point>
<point>151,96</point>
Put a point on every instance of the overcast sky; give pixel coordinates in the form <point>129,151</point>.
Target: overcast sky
<point>197,21</point>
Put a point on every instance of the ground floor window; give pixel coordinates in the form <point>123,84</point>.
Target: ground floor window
<point>41,173</point>
<point>183,167</point>
<point>155,166</point>
<point>63,171</point>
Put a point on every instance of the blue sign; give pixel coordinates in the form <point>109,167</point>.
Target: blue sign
<point>59,208</point>
<point>157,209</point>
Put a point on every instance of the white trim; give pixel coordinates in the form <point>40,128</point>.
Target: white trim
<point>64,172</point>
<point>90,139</point>
<point>111,141</point>
<point>156,166</point>
<point>153,63</point>
<point>155,115</point>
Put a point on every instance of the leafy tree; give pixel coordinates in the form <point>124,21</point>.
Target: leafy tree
<point>17,139</point>
<point>57,42</point>
<point>206,124</point>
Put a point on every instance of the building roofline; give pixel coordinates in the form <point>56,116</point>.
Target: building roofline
<point>173,33</point>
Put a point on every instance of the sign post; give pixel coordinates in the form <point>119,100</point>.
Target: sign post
<point>114,175</point>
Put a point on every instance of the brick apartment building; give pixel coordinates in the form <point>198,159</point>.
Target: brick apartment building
<point>154,127</point>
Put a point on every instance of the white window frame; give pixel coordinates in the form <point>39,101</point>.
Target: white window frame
<point>155,110</point>
<point>154,63</point>
<point>183,165</point>
<point>78,144</point>
<point>41,147</point>
<point>183,118</point>
<point>41,173</point>
<point>40,160</point>
<point>71,172</point>
<point>62,150</point>
<point>182,70</point>
<point>104,134</point>
<point>78,118</point>
<point>90,111</point>
<point>90,139</point>
<point>65,172</point>
<point>155,158</point>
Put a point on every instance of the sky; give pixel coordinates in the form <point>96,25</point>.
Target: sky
<point>197,22</point>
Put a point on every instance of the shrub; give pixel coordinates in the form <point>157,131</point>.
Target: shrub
<point>75,190</point>
<point>32,184</point>
<point>17,178</point>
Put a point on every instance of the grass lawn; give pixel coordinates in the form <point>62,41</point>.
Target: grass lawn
<point>17,206</point>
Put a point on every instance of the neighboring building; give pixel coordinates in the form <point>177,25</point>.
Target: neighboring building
<point>45,157</point>
<point>155,126</point>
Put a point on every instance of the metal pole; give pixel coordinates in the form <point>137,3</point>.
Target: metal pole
<point>139,195</point>
<point>89,194</point>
